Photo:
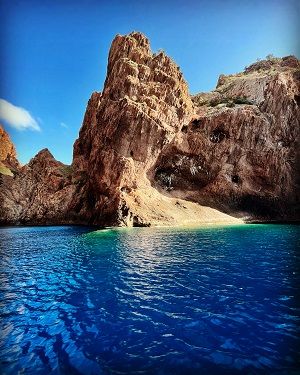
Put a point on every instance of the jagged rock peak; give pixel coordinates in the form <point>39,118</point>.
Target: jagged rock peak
<point>132,62</point>
<point>44,154</point>
<point>44,159</point>
<point>134,46</point>
<point>145,101</point>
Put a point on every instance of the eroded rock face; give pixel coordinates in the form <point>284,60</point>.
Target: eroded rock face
<point>150,154</point>
<point>234,149</point>
<point>37,193</point>
<point>144,103</point>
<point>8,155</point>
<point>242,146</point>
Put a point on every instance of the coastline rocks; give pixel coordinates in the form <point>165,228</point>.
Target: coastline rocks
<point>37,193</point>
<point>8,155</point>
<point>144,103</point>
<point>150,154</point>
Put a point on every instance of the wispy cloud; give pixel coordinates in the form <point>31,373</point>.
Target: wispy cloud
<point>63,125</point>
<point>17,117</point>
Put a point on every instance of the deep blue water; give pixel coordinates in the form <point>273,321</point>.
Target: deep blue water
<point>221,300</point>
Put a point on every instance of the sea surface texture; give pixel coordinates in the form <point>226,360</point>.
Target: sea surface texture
<point>221,300</point>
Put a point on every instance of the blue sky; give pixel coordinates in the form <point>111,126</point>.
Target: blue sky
<point>53,54</point>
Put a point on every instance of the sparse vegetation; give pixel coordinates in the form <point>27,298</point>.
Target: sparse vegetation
<point>217,97</point>
<point>271,57</point>
<point>5,171</point>
<point>265,64</point>
<point>230,101</point>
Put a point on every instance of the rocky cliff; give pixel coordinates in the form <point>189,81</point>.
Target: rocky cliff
<point>37,193</point>
<point>240,150</point>
<point>150,154</point>
<point>8,154</point>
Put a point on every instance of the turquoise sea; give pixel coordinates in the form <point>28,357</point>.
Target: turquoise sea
<point>214,300</point>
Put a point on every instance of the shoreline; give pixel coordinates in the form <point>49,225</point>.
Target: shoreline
<point>198,225</point>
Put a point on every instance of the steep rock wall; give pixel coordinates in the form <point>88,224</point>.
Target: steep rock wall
<point>149,144</point>
<point>240,152</point>
<point>145,102</point>
<point>150,154</point>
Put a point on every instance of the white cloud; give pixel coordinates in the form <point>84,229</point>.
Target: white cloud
<point>17,117</point>
<point>63,125</point>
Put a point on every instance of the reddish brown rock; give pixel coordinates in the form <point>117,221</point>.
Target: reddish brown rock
<point>8,155</point>
<point>144,103</point>
<point>241,151</point>
<point>233,149</point>
<point>37,193</point>
<point>150,154</point>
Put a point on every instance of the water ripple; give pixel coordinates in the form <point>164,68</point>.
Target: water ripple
<point>150,301</point>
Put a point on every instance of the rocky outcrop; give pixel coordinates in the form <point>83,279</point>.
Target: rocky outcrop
<point>37,193</point>
<point>149,144</point>
<point>150,154</point>
<point>144,104</point>
<point>8,155</point>
<point>240,151</point>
